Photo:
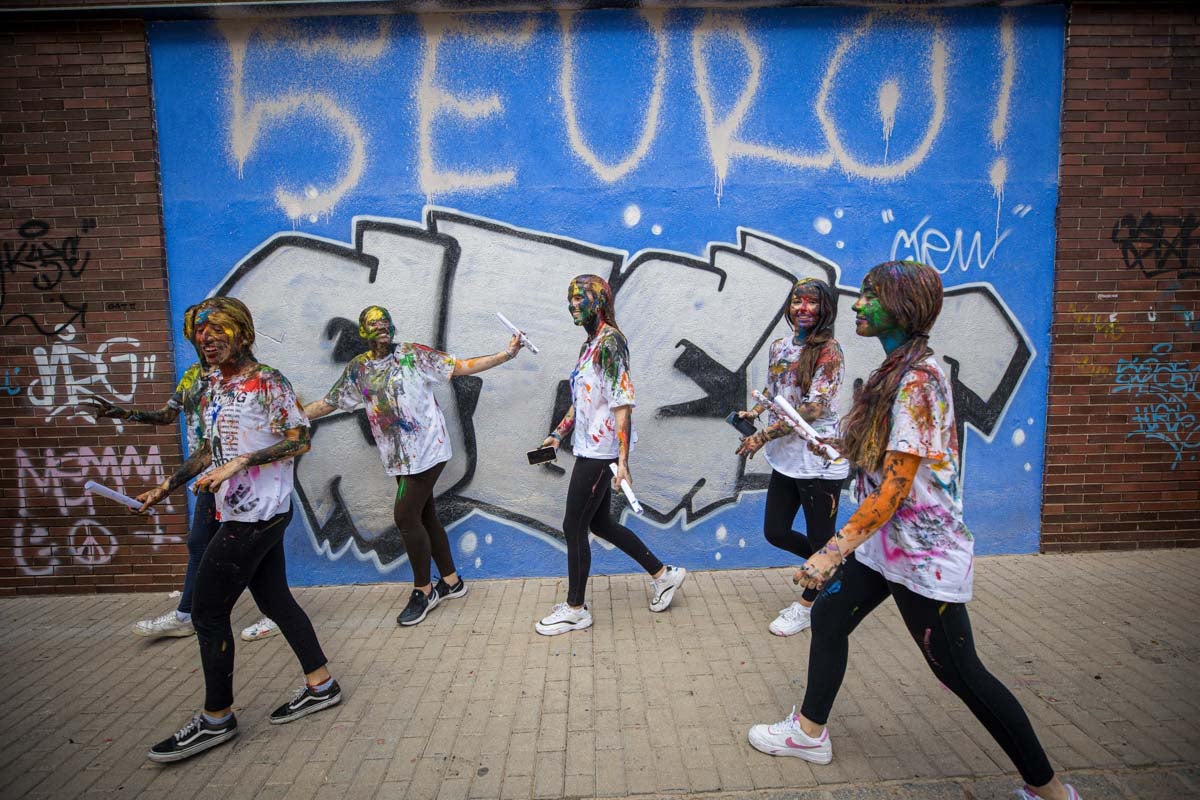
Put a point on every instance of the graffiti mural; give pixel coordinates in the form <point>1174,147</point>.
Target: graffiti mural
<point>452,166</point>
<point>44,262</point>
<point>1159,245</point>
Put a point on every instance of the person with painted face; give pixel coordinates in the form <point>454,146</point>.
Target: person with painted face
<point>253,428</point>
<point>907,539</point>
<point>601,415</point>
<point>806,369</point>
<point>185,399</point>
<point>394,382</point>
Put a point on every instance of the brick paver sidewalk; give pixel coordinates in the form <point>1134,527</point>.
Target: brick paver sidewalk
<point>1102,650</point>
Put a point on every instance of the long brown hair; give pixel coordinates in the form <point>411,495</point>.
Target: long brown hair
<point>819,335</point>
<point>911,294</point>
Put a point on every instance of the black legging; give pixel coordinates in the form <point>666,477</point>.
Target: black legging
<point>942,631</point>
<point>819,499</point>
<point>416,517</point>
<point>241,555</point>
<point>588,500</point>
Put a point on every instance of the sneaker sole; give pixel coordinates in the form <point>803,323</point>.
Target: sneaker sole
<point>163,634</point>
<point>773,630</point>
<point>811,756</point>
<point>456,595</point>
<point>562,627</point>
<point>312,709</point>
<point>665,601</point>
<point>167,758</point>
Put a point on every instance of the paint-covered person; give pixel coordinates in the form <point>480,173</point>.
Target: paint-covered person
<point>906,540</point>
<point>186,400</point>
<point>253,429</point>
<point>601,416</point>
<point>807,370</point>
<point>394,382</point>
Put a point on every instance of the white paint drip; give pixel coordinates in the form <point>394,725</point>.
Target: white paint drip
<point>937,85</point>
<point>822,225</point>
<point>998,175</point>
<point>656,229</point>
<point>566,86</point>
<point>468,543</point>
<point>722,533</point>
<point>632,215</point>
<point>888,101</point>
<point>1018,437</point>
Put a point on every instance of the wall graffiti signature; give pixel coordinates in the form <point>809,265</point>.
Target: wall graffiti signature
<point>46,262</point>
<point>1158,245</point>
<point>1165,391</point>
<point>67,374</point>
<point>50,482</point>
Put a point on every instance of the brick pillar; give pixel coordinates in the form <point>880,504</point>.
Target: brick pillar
<point>83,310</point>
<point>1123,433</point>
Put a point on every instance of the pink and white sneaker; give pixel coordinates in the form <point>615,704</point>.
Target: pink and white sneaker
<point>1025,793</point>
<point>787,739</point>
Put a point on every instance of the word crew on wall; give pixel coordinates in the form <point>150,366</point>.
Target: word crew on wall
<point>452,166</point>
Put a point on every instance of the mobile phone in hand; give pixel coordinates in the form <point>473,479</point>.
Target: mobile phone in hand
<point>744,426</point>
<point>542,455</point>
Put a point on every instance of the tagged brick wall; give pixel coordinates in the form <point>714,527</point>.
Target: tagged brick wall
<point>83,310</point>
<point>1123,431</point>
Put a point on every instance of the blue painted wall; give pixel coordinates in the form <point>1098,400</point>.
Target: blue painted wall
<point>451,166</point>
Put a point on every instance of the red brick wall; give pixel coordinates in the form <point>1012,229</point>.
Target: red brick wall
<point>1124,421</point>
<point>83,309</point>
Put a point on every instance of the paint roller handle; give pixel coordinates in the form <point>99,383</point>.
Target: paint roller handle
<point>805,429</point>
<point>628,490</point>
<point>112,494</point>
<point>517,331</point>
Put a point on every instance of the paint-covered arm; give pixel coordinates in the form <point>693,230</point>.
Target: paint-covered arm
<point>295,443</point>
<point>899,470</point>
<point>101,409</point>
<point>624,419</point>
<point>319,408</point>
<point>562,430</point>
<point>470,366</point>
<point>826,382</point>
<point>193,466</point>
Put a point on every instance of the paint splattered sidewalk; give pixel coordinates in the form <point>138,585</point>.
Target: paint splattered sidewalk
<point>1102,649</point>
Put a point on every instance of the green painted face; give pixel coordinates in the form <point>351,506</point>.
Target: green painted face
<point>871,319</point>
<point>583,304</point>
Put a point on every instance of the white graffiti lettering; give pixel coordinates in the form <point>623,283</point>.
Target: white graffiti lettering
<point>50,482</point>
<point>67,374</point>
<point>929,245</point>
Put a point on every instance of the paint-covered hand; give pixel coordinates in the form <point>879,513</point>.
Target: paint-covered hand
<point>751,413</point>
<point>549,441</point>
<point>814,573</point>
<point>102,409</point>
<point>212,480</point>
<point>752,444</point>
<point>514,346</point>
<point>622,475</point>
<point>149,498</point>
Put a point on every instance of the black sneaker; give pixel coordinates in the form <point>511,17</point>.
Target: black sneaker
<point>306,701</point>
<point>195,737</point>
<point>444,592</point>
<point>419,604</point>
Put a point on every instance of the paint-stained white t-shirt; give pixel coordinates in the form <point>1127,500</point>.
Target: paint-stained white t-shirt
<point>243,415</point>
<point>925,545</point>
<point>397,393</point>
<point>789,455</point>
<point>600,382</point>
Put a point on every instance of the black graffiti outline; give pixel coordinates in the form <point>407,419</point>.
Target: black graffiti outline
<point>63,257</point>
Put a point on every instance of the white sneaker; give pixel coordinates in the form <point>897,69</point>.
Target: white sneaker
<point>1025,793</point>
<point>265,628</point>
<point>166,625</point>
<point>563,619</point>
<point>662,589</point>
<point>787,739</point>
<point>791,620</point>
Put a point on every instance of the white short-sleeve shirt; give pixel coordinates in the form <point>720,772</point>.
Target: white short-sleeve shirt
<point>600,382</point>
